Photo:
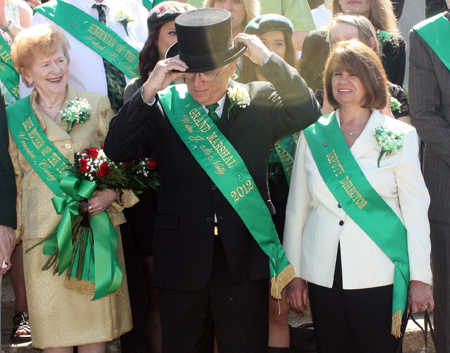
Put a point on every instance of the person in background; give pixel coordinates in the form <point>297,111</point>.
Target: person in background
<point>91,70</point>
<point>242,11</point>
<point>356,229</point>
<point>297,11</point>
<point>63,317</point>
<point>275,31</point>
<point>346,27</point>
<point>382,16</point>
<point>429,89</point>
<point>137,233</point>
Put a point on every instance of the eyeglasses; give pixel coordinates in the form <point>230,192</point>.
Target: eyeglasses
<point>204,76</point>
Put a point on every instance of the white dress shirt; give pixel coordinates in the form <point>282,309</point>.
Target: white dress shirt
<point>316,225</point>
<point>86,69</point>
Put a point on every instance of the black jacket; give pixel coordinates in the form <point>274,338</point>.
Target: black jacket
<point>183,238</point>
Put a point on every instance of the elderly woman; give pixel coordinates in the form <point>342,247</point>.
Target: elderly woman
<point>356,222</point>
<point>62,318</point>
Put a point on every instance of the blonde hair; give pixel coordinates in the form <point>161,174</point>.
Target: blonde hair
<point>381,14</point>
<point>39,40</point>
<point>252,9</point>
<point>364,26</point>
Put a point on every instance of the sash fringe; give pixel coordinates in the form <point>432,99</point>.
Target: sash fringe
<point>84,287</point>
<point>282,280</point>
<point>397,324</point>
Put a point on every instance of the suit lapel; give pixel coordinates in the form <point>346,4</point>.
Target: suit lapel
<point>228,114</point>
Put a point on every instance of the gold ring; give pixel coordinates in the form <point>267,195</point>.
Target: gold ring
<point>90,209</point>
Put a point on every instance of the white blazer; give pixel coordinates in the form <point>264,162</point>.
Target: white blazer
<point>313,216</point>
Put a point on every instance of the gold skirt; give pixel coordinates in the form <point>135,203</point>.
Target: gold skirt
<point>60,317</point>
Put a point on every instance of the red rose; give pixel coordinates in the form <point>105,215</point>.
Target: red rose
<point>84,168</point>
<point>91,152</point>
<point>126,164</point>
<point>151,164</point>
<point>103,170</point>
<point>101,146</point>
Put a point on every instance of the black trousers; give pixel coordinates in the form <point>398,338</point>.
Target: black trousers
<point>353,321</point>
<point>440,245</point>
<point>236,313</point>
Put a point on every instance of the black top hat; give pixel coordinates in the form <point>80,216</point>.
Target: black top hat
<point>204,40</point>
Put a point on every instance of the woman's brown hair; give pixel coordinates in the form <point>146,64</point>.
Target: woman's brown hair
<point>356,57</point>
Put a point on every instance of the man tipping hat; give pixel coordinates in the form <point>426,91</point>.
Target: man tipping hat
<point>215,245</point>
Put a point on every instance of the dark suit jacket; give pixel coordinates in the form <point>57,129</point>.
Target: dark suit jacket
<point>8,192</point>
<point>435,7</point>
<point>183,238</point>
<point>429,89</point>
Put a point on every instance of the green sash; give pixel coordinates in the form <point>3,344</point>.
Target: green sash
<point>217,156</point>
<point>8,74</point>
<point>148,4</point>
<point>94,34</point>
<point>51,166</point>
<point>362,203</point>
<point>284,152</point>
<point>43,156</point>
<point>429,30</point>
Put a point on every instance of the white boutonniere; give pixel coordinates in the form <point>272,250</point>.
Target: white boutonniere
<point>396,105</point>
<point>239,95</point>
<point>78,110</point>
<point>124,18</point>
<point>390,139</point>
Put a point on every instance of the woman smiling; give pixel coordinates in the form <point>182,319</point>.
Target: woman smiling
<point>63,317</point>
<point>356,228</point>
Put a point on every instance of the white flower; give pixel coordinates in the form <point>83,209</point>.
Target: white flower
<point>124,18</point>
<point>239,95</point>
<point>78,110</point>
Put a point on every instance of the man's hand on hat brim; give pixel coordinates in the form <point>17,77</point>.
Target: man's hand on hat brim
<point>256,50</point>
<point>162,76</point>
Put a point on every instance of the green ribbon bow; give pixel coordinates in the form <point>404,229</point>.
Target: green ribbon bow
<point>102,266</point>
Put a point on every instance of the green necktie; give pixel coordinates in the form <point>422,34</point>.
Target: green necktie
<point>212,112</point>
<point>114,77</point>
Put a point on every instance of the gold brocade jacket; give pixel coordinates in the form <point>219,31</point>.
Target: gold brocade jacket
<point>36,216</point>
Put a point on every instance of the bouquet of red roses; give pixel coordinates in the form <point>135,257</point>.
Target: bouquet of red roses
<point>94,166</point>
<point>72,244</point>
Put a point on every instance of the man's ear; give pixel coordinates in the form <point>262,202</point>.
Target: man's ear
<point>232,68</point>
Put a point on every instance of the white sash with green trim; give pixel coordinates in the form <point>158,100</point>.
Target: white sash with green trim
<point>94,34</point>
<point>8,74</point>
<point>348,184</point>
<point>217,156</point>
<point>433,31</point>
